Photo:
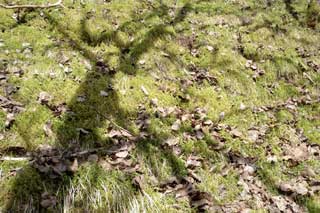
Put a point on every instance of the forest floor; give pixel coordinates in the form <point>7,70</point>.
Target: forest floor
<point>160,106</point>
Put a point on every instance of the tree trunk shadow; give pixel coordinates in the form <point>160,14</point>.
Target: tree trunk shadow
<point>89,113</point>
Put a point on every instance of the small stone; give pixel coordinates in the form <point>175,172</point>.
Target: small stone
<point>104,93</point>
<point>142,62</point>
<point>154,102</point>
<point>242,106</point>
<point>26,44</point>
<point>210,48</point>
<point>52,75</point>
<point>249,169</point>
<point>272,159</point>
<point>81,98</point>
<point>144,90</point>
<point>222,115</point>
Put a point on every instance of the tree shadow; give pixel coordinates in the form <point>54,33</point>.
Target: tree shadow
<point>89,110</point>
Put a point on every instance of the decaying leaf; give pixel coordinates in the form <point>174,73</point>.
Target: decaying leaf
<point>122,154</point>
<point>296,153</point>
<point>9,120</point>
<point>171,141</point>
<point>176,125</point>
<point>138,181</point>
<point>184,188</point>
<point>47,128</point>
<point>48,200</point>
<point>236,133</point>
<point>193,162</point>
<point>44,97</point>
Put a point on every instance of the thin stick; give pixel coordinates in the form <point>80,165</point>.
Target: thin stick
<point>8,158</point>
<point>57,4</point>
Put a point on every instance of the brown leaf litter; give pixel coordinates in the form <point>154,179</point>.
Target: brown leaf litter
<point>257,71</point>
<point>12,108</point>
<point>185,188</point>
<point>254,194</point>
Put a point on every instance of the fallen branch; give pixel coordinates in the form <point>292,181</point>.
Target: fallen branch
<point>57,4</point>
<point>8,158</point>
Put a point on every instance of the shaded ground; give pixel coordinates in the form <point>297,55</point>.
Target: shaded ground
<point>168,106</point>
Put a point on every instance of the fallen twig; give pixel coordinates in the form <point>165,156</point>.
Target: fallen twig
<point>57,4</point>
<point>112,122</point>
<point>8,158</point>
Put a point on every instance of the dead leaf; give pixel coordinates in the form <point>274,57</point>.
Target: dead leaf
<point>176,150</point>
<point>296,153</point>
<point>44,97</point>
<point>132,169</point>
<point>236,133</point>
<point>308,172</point>
<point>122,154</point>
<point>201,200</point>
<point>74,166</point>
<point>171,141</point>
<point>199,135</point>
<point>253,135</point>
<point>301,189</point>
<point>48,129</point>
<point>60,168</point>
<point>193,161</point>
<point>9,120</point>
<point>118,133</point>
<point>48,200</point>
<point>138,182</point>
<point>176,125</point>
